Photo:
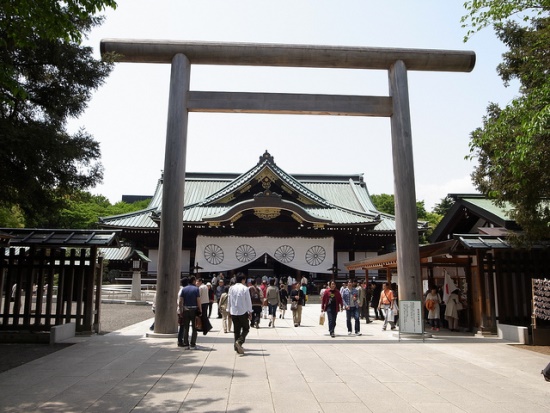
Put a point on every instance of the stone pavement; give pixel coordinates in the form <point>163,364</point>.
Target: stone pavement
<point>285,369</point>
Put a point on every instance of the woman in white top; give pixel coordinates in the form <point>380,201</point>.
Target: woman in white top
<point>451,312</point>
<point>432,304</point>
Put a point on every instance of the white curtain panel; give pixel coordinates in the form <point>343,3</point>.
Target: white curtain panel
<point>227,253</point>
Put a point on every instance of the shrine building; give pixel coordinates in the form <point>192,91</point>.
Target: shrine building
<point>267,222</point>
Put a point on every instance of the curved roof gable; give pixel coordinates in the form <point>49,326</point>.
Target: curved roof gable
<point>266,172</point>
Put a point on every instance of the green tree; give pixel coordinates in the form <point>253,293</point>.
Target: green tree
<point>11,217</point>
<point>443,206</point>
<point>512,146</point>
<point>386,203</point>
<point>46,77</point>
<point>83,210</point>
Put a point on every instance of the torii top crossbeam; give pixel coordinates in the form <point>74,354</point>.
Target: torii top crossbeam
<point>257,54</point>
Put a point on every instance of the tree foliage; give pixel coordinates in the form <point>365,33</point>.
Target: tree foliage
<point>386,203</point>
<point>512,146</point>
<point>83,210</point>
<point>443,206</point>
<point>484,13</point>
<point>46,77</point>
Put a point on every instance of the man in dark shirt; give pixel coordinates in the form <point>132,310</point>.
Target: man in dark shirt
<point>189,305</point>
<point>332,303</point>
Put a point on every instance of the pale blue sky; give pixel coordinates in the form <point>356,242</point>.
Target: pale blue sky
<point>128,113</point>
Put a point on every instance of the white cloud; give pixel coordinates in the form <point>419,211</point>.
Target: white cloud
<point>432,194</point>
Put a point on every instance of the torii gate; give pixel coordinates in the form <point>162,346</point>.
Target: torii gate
<point>182,101</point>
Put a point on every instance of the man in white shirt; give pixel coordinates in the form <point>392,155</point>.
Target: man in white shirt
<point>203,290</point>
<point>239,305</point>
<point>290,282</point>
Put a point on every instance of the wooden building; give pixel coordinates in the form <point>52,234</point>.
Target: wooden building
<point>472,245</point>
<point>266,221</point>
<point>50,278</point>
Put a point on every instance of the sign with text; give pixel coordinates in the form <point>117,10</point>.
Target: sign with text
<point>410,317</point>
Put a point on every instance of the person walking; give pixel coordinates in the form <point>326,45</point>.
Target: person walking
<point>189,306</point>
<point>226,317</point>
<point>451,311</point>
<point>211,298</point>
<point>297,299</point>
<point>205,300</point>
<point>239,306</point>
<point>376,291</point>
<point>332,303</point>
<point>265,308</point>
<point>350,299</point>
<point>220,288</point>
<point>272,297</point>
<point>432,305</point>
<point>283,300</point>
<point>257,302</point>
<point>386,303</point>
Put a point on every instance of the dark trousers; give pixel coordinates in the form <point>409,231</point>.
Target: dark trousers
<point>353,312</point>
<point>183,333</point>
<point>240,327</point>
<point>378,313</point>
<point>331,315</point>
<point>256,315</point>
<point>210,309</point>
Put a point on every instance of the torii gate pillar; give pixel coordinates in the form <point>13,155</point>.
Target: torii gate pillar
<point>171,228</point>
<point>408,259</point>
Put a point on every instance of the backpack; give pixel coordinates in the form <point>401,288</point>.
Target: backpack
<point>430,305</point>
<point>546,372</point>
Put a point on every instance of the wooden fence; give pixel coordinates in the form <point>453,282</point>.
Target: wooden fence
<point>43,287</point>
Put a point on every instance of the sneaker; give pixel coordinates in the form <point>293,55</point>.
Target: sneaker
<point>349,333</point>
<point>332,335</point>
<point>194,347</point>
<point>270,323</point>
<point>180,344</point>
<point>239,347</point>
<point>358,334</point>
<point>393,327</point>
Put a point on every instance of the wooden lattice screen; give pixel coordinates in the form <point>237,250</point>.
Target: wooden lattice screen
<point>43,287</point>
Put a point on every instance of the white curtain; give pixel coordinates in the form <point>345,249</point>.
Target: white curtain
<point>227,253</point>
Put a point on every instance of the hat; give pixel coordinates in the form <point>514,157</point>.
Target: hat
<point>208,284</point>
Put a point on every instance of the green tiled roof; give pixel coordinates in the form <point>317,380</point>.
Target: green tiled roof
<point>341,199</point>
<point>489,206</point>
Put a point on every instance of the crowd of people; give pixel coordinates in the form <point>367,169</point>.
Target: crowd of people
<point>243,302</point>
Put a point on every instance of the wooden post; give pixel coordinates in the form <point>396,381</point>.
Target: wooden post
<point>98,272</point>
<point>171,228</point>
<point>408,258</point>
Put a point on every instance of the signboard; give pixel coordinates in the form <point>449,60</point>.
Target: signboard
<point>410,317</point>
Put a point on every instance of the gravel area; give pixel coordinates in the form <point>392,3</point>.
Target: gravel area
<point>117,316</point>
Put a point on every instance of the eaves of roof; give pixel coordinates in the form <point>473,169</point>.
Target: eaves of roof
<point>390,259</point>
<point>138,219</point>
<point>478,205</point>
<point>76,238</point>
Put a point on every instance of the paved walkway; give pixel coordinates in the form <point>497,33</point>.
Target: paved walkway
<point>285,369</point>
